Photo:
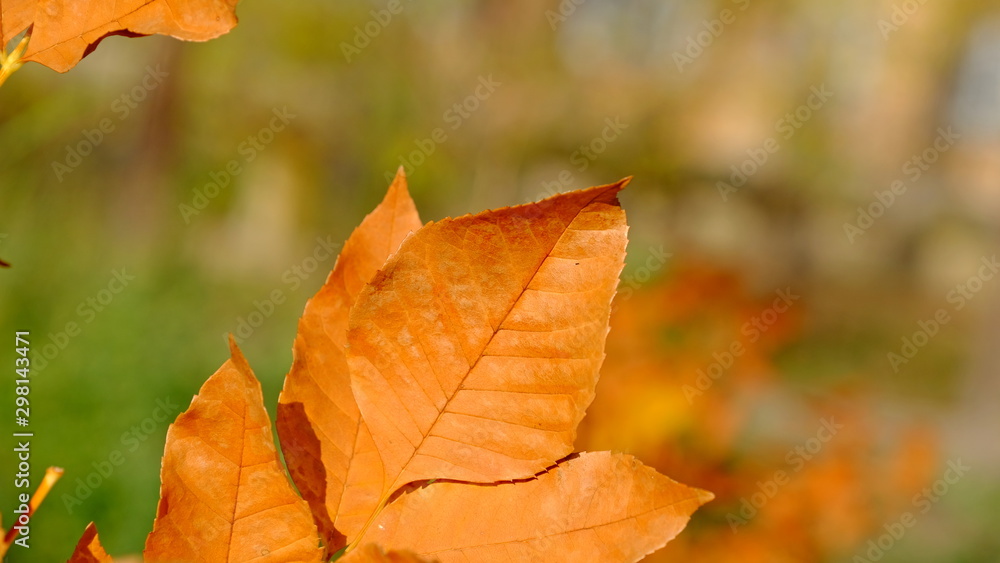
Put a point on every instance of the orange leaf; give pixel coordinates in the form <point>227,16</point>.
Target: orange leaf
<point>475,351</point>
<point>65,31</point>
<point>327,447</point>
<point>596,507</point>
<point>89,549</point>
<point>372,553</point>
<point>472,355</point>
<point>224,495</point>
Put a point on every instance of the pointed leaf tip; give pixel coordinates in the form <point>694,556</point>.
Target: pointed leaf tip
<point>704,497</point>
<point>237,357</point>
<point>89,548</point>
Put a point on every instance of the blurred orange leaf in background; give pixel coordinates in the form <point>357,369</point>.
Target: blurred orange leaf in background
<point>658,401</point>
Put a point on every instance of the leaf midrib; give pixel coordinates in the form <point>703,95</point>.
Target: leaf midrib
<point>496,331</point>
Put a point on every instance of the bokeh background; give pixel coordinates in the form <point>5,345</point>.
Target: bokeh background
<point>552,96</point>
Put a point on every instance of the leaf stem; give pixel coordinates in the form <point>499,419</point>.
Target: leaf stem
<point>52,474</point>
<point>10,62</point>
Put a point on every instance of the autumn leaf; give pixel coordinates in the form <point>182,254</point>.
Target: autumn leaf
<point>329,452</point>
<point>89,549</point>
<point>594,507</point>
<point>372,553</point>
<point>475,351</point>
<point>63,31</point>
<point>224,495</point>
<point>439,370</point>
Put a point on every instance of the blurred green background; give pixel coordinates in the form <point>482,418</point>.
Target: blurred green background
<point>551,97</point>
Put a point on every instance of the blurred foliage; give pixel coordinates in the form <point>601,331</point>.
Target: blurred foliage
<point>680,132</point>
